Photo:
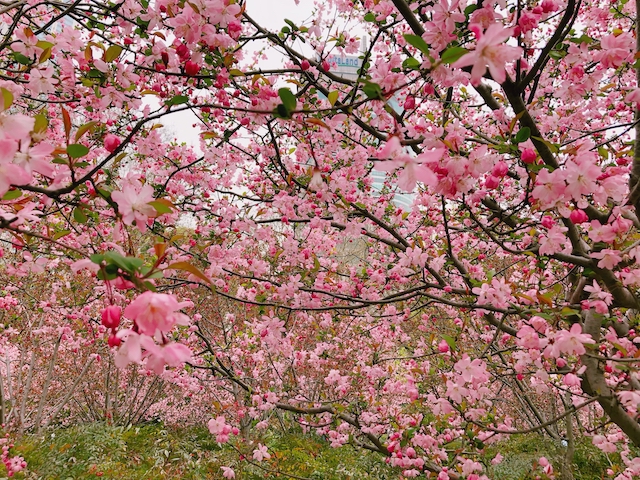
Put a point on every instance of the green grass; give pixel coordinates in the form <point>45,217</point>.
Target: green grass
<point>522,451</point>
<point>154,451</point>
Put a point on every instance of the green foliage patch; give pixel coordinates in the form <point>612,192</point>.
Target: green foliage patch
<point>154,451</point>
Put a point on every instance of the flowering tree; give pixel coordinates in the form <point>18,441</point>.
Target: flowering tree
<point>275,255</point>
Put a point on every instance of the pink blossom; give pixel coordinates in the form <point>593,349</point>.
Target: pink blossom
<point>42,81</point>
<point>228,472</point>
<point>615,50</point>
<point>35,158</point>
<point>413,168</point>
<point>111,316</point>
<point>571,380</point>
<point>633,96</point>
<point>130,350</point>
<point>154,312</point>
<point>218,426</point>
<point>492,53</point>
<point>603,444</point>
<point>550,187</point>
<point>470,370</point>
<point>570,342</point>
<point>456,392</point>
<point>261,453</point>
<point>10,173</point>
<point>529,338</point>
<point>172,354</point>
<point>597,292</point>
<point>16,127</point>
<point>133,204</point>
<point>497,294</point>
<point>554,241</point>
<point>111,142</point>
<point>27,43</point>
<point>578,216</point>
<point>608,258</point>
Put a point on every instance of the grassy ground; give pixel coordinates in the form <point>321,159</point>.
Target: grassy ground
<point>155,452</point>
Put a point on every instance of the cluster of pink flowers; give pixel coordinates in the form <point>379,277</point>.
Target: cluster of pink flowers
<point>154,315</point>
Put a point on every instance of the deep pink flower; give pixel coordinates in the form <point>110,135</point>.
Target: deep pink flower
<point>111,142</point>
<point>111,316</point>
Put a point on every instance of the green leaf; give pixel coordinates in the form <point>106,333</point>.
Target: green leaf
<point>128,264</point>
<point>21,59</point>
<point>333,97</point>
<point>97,258</point>
<point>291,24</point>
<point>523,135</point>
<point>104,275</point>
<point>160,207</point>
<point>288,99</point>
<point>450,55</point>
<point>44,44</point>
<point>582,39</point>
<point>369,17</point>
<point>41,123</point>
<point>450,341</point>
<point>187,267</point>
<point>281,111</point>
<point>372,91</point>
<point>7,98</point>
<point>470,9</point>
<point>418,42</point>
<point>177,100</point>
<point>569,312</point>
<point>77,150</point>
<point>411,64</point>
<point>61,234</point>
<point>112,53</point>
<point>552,146</point>
<point>12,194</point>
<point>80,216</point>
<point>84,129</point>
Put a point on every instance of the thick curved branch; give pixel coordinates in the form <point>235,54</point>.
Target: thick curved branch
<point>595,384</point>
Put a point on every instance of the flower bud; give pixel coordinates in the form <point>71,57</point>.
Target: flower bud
<point>491,182</point>
<point>111,316</point>
<point>111,142</point>
<point>410,103</point>
<point>443,346</point>
<point>500,169</point>
<point>578,216</point>
<point>114,341</point>
<point>191,68</point>
<point>528,156</point>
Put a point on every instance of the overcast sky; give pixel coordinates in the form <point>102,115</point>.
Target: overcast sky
<point>270,14</point>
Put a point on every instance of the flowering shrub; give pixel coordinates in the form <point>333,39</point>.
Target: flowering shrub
<point>418,280</point>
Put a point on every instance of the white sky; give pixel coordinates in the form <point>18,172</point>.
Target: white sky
<point>268,13</point>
